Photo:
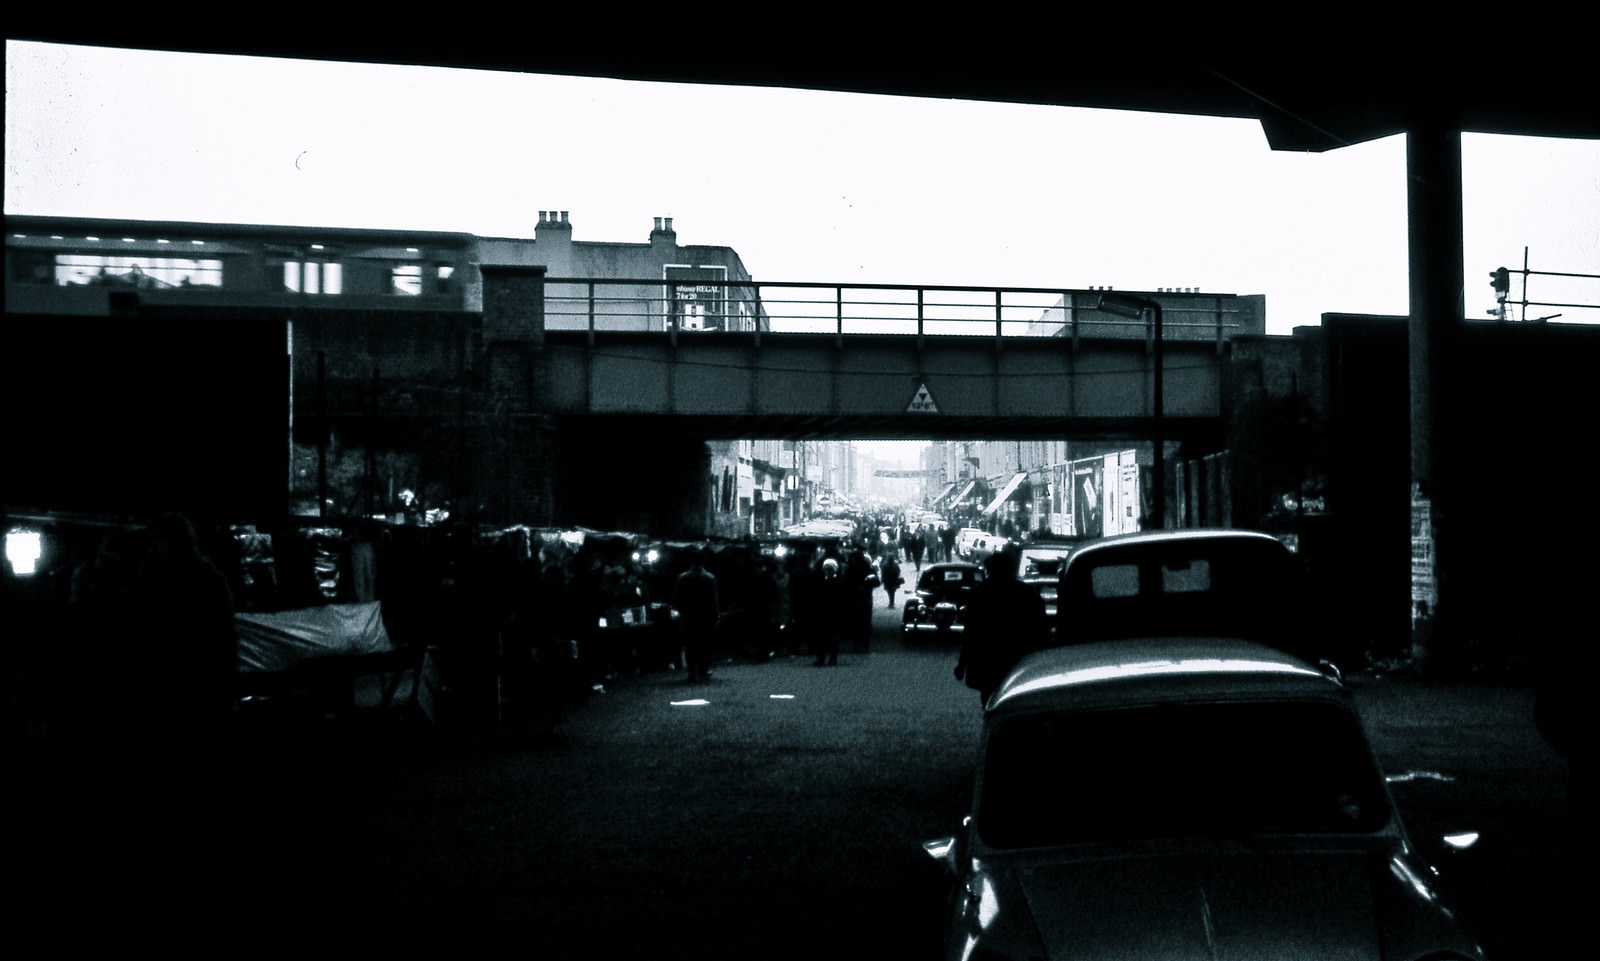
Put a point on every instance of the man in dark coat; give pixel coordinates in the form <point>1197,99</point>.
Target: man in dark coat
<point>699,607</point>
<point>889,569</point>
<point>1004,619</point>
<point>862,579</point>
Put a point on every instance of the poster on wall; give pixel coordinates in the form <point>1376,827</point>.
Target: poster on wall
<point>695,297</point>
<point>1128,494</point>
<point>1424,590</point>
<point>1088,491</point>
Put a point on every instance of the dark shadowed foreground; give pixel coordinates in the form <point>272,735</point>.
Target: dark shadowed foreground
<point>780,818</point>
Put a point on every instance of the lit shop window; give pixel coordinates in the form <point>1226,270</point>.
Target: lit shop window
<point>24,548</point>
<point>407,279</point>
<point>144,273</point>
<point>313,277</point>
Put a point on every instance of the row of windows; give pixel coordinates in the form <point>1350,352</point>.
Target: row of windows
<point>141,272</point>
<point>147,273</point>
<point>327,277</point>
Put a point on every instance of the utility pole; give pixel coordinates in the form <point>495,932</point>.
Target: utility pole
<point>1125,305</point>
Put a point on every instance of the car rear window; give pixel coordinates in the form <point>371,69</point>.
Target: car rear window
<point>937,577</point>
<point>1210,770</point>
<point>1179,576</point>
<point>1249,590</point>
<point>1041,566</point>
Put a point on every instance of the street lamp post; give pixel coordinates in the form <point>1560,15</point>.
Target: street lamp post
<point>1125,305</point>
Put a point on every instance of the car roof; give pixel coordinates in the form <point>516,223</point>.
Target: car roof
<point>1180,535</point>
<point>1157,669</point>
<point>1251,586</point>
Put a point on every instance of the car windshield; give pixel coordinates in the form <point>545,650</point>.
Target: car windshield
<point>1205,770</point>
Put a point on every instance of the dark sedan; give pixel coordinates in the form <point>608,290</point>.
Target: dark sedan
<point>1198,582</point>
<point>1181,798</point>
<point>941,595</point>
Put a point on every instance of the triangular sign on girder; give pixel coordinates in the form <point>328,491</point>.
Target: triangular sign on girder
<point>922,402</point>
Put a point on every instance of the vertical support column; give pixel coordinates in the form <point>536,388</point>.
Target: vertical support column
<point>513,304</point>
<point>1159,403</point>
<point>517,454</point>
<point>513,328</point>
<point>1433,176</point>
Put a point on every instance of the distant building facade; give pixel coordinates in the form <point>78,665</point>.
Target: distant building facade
<point>1032,487</point>
<point>656,285</point>
<point>1187,315</point>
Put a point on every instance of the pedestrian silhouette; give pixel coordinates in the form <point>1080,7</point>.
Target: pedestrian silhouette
<point>695,597</point>
<point>1004,620</point>
<point>836,602</point>
<point>889,570</point>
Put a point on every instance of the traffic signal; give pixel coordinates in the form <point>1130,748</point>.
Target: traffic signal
<point>1501,279</point>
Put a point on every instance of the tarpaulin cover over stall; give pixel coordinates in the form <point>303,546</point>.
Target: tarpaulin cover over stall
<point>280,640</point>
<point>336,641</point>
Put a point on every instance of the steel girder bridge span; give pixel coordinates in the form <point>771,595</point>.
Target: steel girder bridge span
<point>909,363</point>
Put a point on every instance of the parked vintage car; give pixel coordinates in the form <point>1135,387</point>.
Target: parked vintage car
<point>940,596</point>
<point>1185,798</point>
<point>1040,564</point>
<point>967,539</point>
<point>1199,581</point>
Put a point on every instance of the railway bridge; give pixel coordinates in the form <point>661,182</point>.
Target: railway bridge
<point>616,363</point>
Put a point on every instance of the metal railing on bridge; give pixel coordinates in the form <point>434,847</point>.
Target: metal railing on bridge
<point>674,306</point>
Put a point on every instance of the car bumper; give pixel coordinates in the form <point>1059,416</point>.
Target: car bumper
<point>936,619</point>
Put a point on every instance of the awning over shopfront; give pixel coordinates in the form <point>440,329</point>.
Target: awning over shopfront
<point>942,495</point>
<point>1006,491</point>
<point>964,492</point>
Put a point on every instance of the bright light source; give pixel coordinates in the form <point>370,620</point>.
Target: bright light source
<point>696,702</point>
<point>781,697</point>
<point>23,550</point>
<point>1461,840</point>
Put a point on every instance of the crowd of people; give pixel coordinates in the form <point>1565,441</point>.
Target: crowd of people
<point>526,623</point>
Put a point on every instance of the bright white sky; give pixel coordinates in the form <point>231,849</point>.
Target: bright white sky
<point>806,186</point>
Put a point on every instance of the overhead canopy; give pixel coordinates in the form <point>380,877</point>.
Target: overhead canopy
<point>964,492</point>
<point>1319,90</point>
<point>1006,491</point>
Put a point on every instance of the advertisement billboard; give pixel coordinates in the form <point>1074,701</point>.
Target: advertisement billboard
<point>696,297</point>
<point>1102,495</point>
<point>1088,497</point>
